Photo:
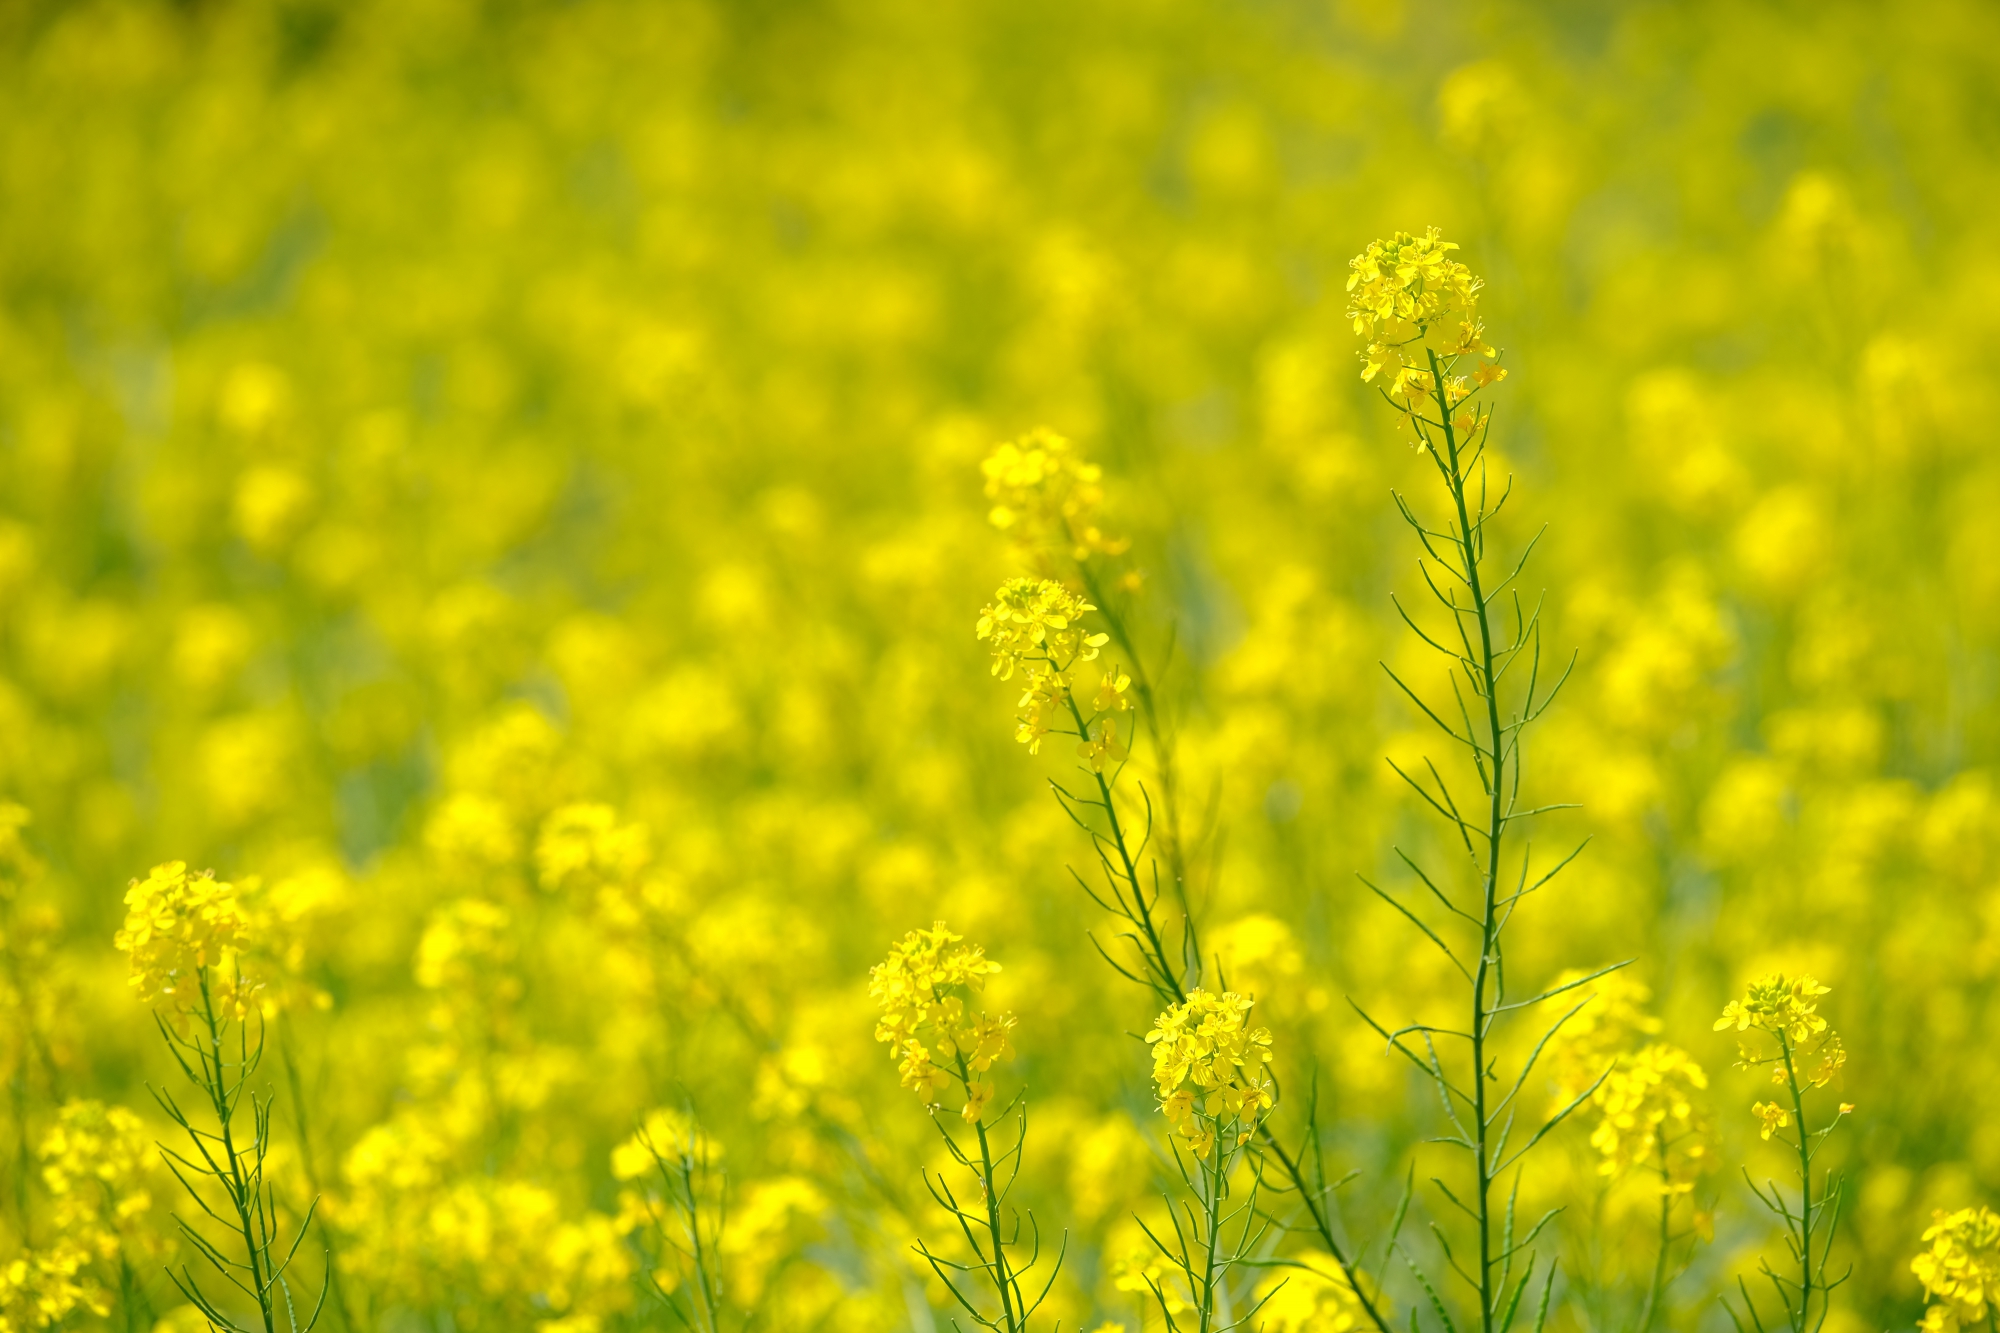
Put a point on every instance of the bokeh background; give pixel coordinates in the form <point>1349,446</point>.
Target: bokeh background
<point>422,419</point>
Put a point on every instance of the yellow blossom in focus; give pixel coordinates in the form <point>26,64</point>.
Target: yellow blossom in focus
<point>1032,624</point>
<point>1209,1068</point>
<point>1771,1118</point>
<point>179,926</point>
<point>1780,1007</point>
<point>1403,289</point>
<point>921,990</point>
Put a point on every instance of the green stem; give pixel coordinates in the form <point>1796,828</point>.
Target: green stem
<point>1170,977</point>
<point>704,1280</point>
<point>1001,1281</point>
<point>238,1188</point>
<point>1214,1209</point>
<point>1805,1184</point>
<point>1149,709</point>
<point>1170,988</point>
<point>1496,825</point>
<point>1659,1260</point>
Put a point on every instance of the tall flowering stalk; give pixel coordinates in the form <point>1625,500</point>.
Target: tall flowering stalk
<point>185,935</point>
<point>1779,1027</point>
<point>944,1047</point>
<point>1417,309</point>
<point>1047,499</point>
<point>1209,1071</point>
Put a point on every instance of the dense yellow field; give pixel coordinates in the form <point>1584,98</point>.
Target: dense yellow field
<point>519,492</point>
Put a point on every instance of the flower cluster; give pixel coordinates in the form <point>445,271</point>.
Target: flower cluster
<point>1209,1068</point>
<point>1033,625</point>
<point>96,1162</point>
<point>1788,1010</point>
<point>1809,1052</point>
<point>1651,1115</point>
<point>921,989</point>
<point>41,1289</point>
<point>1046,498</point>
<point>1409,299</point>
<point>1961,1270</point>
<point>180,929</point>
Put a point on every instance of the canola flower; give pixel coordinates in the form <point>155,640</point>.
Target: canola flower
<point>183,938</point>
<point>1960,1272</point>
<point>921,989</point>
<point>1782,1011</point>
<point>1418,310</point>
<point>1047,499</point>
<point>98,1163</point>
<point>1312,1298</point>
<point>572,445</point>
<point>1033,627</point>
<point>668,1170</point>
<point>184,935</point>
<point>1652,1115</point>
<point>1209,1069</point>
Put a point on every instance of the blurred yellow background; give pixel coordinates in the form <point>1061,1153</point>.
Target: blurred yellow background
<point>422,419</point>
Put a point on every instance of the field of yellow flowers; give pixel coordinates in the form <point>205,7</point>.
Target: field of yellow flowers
<point>859,665</point>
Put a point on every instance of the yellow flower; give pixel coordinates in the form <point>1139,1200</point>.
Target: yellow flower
<point>920,990</point>
<point>1832,1058</point>
<point>1111,692</point>
<point>1651,1115</point>
<point>42,1288</point>
<point>179,926</point>
<point>1407,297</point>
<point>1047,498</point>
<point>587,843</point>
<point>1209,1067</point>
<point>664,1134</point>
<point>1149,1276</point>
<point>1032,623</point>
<point>1960,1272</point>
<point>95,1162</point>
<point>1772,1116</point>
<point>1778,1006</point>
<point>1103,748</point>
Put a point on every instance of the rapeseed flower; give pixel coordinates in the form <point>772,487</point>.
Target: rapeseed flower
<point>921,990</point>
<point>1960,1272</point>
<point>1209,1068</point>
<point>1046,498</point>
<point>185,932</point>
<point>1652,1115</point>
